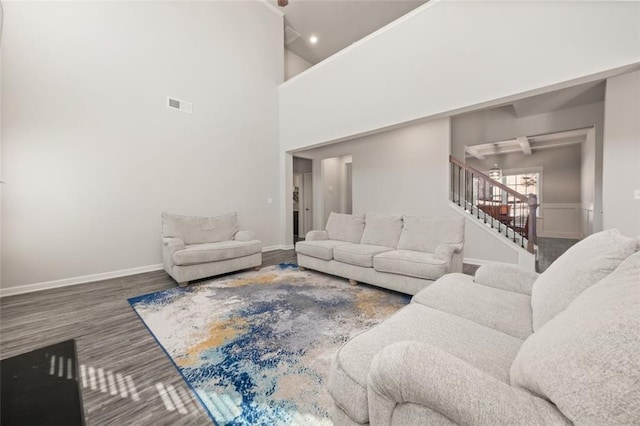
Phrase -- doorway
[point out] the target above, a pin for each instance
(302, 198)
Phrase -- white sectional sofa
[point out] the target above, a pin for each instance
(508, 347)
(401, 253)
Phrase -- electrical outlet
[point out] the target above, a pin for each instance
(636, 194)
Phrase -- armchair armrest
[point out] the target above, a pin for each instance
(244, 236)
(418, 373)
(172, 243)
(506, 276)
(169, 246)
(317, 236)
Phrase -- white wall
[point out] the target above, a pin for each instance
(621, 167)
(331, 186)
(91, 154)
(294, 64)
(450, 55)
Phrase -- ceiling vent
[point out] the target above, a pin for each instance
(290, 35)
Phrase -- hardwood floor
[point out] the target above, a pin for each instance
(134, 383)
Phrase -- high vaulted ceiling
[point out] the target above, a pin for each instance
(337, 23)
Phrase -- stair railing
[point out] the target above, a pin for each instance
(497, 205)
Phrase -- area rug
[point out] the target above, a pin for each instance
(256, 347)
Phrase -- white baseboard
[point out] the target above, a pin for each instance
(477, 262)
(84, 279)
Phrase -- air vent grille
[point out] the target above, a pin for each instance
(177, 104)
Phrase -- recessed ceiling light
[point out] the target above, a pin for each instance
(313, 39)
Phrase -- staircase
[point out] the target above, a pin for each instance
(505, 212)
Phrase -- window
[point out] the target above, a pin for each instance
(524, 183)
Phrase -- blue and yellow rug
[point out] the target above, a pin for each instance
(256, 347)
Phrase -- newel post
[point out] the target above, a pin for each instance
(532, 201)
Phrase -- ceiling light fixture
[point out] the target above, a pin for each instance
(313, 39)
(495, 172)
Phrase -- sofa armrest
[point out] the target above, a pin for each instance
(446, 251)
(506, 276)
(316, 236)
(418, 373)
(170, 245)
(244, 236)
(451, 253)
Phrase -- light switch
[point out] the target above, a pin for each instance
(269, 200)
(636, 194)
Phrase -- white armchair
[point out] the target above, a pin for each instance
(199, 247)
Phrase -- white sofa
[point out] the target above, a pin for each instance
(401, 253)
(508, 347)
(199, 247)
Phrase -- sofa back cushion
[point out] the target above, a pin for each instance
(426, 233)
(197, 230)
(583, 265)
(382, 230)
(585, 360)
(345, 227)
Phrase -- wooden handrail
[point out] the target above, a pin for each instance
(494, 182)
(470, 200)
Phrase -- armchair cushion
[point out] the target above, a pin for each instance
(196, 230)
(382, 230)
(586, 360)
(455, 391)
(583, 265)
(345, 227)
(425, 234)
(411, 263)
(213, 252)
(506, 276)
(501, 310)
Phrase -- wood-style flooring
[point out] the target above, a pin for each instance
(128, 379)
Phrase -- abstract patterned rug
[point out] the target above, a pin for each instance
(256, 347)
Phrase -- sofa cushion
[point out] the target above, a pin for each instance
(586, 360)
(322, 249)
(196, 230)
(345, 227)
(502, 310)
(426, 233)
(358, 254)
(213, 252)
(489, 350)
(583, 265)
(382, 230)
(411, 263)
